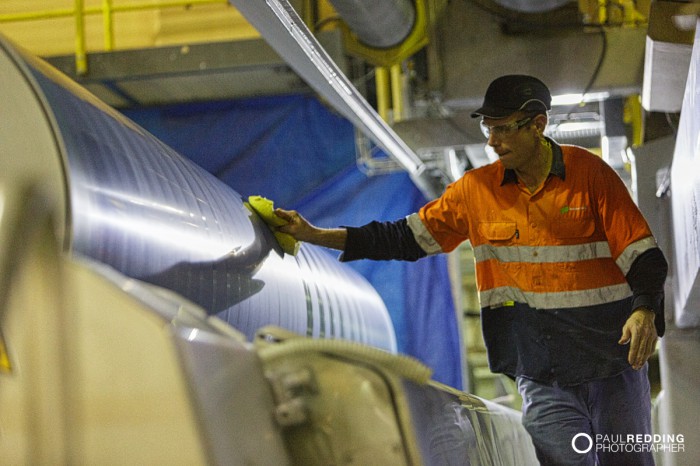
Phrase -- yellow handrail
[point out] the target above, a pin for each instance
(381, 79)
(80, 47)
(168, 4)
(65, 12)
(107, 10)
(397, 91)
(107, 23)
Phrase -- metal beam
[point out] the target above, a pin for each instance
(191, 73)
(281, 26)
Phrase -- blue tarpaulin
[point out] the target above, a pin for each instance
(298, 152)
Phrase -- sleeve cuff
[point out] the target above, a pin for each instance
(647, 301)
(352, 250)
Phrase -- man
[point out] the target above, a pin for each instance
(570, 278)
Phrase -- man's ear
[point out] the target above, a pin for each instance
(540, 123)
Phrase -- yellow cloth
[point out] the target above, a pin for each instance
(266, 210)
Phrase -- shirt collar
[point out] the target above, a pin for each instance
(557, 168)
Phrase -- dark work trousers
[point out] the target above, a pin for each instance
(601, 422)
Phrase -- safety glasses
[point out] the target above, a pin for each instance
(503, 131)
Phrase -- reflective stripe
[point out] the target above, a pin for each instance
(555, 300)
(634, 250)
(542, 254)
(423, 237)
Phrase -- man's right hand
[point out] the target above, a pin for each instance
(297, 226)
(302, 230)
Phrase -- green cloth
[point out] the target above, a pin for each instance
(266, 210)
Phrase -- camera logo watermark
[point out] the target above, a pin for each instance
(630, 443)
(585, 449)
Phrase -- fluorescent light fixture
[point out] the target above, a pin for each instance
(685, 22)
(572, 99)
(571, 126)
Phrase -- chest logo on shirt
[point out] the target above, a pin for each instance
(567, 208)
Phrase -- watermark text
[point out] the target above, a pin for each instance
(628, 443)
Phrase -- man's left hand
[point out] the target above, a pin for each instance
(640, 332)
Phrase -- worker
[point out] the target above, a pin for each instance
(569, 275)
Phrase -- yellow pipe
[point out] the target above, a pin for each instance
(602, 11)
(80, 54)
(634, 115)
(397, 91)
(108, 24)
(381, 77)
(34, 15)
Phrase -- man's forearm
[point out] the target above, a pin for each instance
(646, 279)
(376, 240)
(334, 238)
(302, 230)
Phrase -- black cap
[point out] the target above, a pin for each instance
(508, 94)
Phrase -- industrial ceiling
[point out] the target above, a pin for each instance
(464, 44)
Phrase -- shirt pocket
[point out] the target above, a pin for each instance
(495, 232)
(573, 226)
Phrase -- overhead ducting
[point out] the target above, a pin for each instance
(532, 6)
(378, 23)
(387, 23)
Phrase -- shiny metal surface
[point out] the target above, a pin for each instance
(97, 368)
(453, 427)
(139, 207)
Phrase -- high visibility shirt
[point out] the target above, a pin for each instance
(550, 265)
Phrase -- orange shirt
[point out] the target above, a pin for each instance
(568, 244)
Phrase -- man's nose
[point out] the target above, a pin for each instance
(493, 141)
